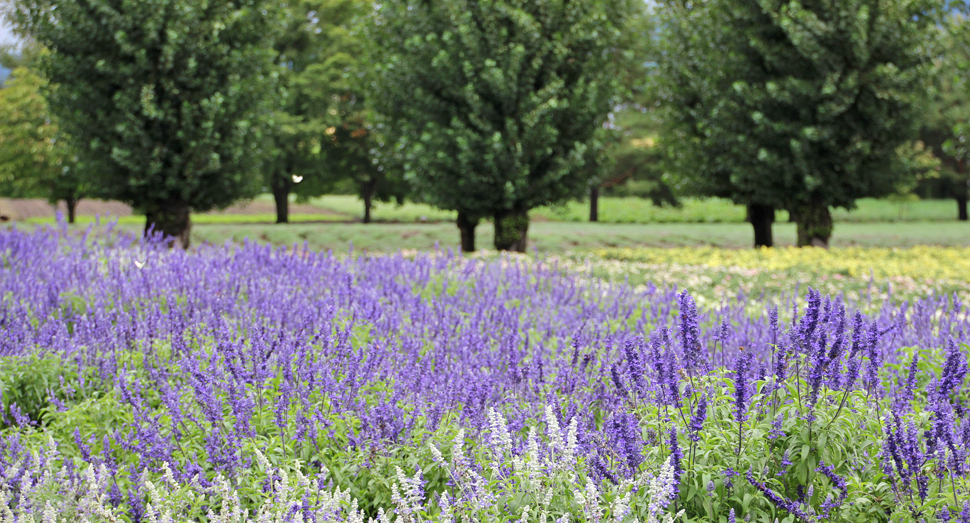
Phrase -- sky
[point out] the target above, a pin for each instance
(6, 36)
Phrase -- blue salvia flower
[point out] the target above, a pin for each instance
(634, 362)
(785, 463)
(874, 359)
(728, 474)
(694, 358)
(858, 344)
(697, 420)
(665, 365)
(779, 501)
(893, 453)
(676, 457)
(943, 427)
(741, 393)
(773, 323)
(858, 333)
(724, 332)
(624, 432)
(833, 362)
(965, 513)
(954, 369)
(817, 372)
(809, 321)
(617, 381)
(829, 472)
(731, 517)
(909, 389)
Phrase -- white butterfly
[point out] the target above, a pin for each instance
(139, 264)
(297, 179)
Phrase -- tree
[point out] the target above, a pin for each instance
(495, 104)
(944, 129)
(304, 54)
(632, 164)
(36, 159)
(164, 98)
(793, 104)
(355, 148)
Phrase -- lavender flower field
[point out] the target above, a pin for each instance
(247, 383)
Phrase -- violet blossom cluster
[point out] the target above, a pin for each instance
(226, 337)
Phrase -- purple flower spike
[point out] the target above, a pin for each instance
(676, 457)
(697, 420)
(779, 501)
(954, 369)
(741, 389)
(694, 357)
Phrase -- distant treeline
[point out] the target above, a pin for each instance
(488, 108)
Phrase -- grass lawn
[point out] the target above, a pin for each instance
(714, 210)
(560, 237)
(346, 208)
(636, 210)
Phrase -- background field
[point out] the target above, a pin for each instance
(612, 210)
(331, 223)
(561, 237)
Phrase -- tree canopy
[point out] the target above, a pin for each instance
(793, 104)
(163, 97)
(496, 103)
(36, 158)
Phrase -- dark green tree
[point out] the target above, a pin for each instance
(496, 104)
(793, 104)
(945, 129)
(163, 98)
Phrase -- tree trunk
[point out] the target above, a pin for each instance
(172, 220)
(962, 207)
(511, 230)
(814, 225)
(761, 218)
(594, 203)
(466, 226)
(281, 195)
(71, 204)
(368, 188)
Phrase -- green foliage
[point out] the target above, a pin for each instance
(783, 443)
(495, 105)
(634, 165)
(796, 105)
(326, 132)
(164, 98)
(945, 124)
(309, 56)
(30, 382)
(355, 145)
(35, 157)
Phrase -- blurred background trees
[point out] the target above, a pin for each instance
(325, 134)
(632, 165)
(487, 107)
(36, 157)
